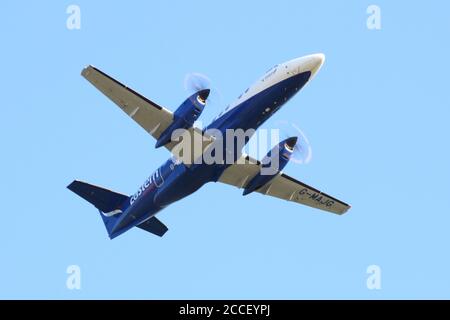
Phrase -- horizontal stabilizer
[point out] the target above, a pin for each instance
(103, 199)
(154, 226)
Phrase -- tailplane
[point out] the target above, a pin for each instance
(110, 204)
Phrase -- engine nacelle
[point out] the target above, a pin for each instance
(185, 116)
(272, 164)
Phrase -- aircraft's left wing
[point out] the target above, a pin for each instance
(152, 117)
(282, 186)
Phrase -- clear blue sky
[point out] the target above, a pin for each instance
(376, 116)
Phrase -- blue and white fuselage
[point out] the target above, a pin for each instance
(174, 180)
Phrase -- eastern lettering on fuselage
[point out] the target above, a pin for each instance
(316, 197)
(141, 190)
(153, 179)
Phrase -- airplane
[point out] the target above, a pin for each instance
(180, 176)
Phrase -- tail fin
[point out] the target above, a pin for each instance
(110, 204)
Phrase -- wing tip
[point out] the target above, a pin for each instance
(86, 70)
(345, 210)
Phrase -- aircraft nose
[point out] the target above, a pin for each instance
(312, 63)
(317, 61)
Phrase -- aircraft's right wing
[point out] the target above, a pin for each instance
(152, 117)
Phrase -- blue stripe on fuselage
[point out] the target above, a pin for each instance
(249, 115)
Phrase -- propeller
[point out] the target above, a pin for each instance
(196, 81)
(302, 148)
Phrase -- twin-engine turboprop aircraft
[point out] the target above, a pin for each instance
(183, 174)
